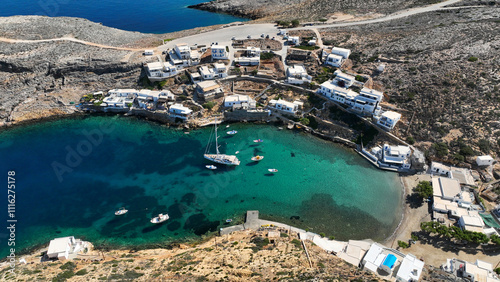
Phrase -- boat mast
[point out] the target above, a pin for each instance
(216, 138)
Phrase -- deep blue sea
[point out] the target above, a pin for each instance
(158, 16)
(71, 175)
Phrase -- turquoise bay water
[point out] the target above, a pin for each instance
(149, 168)
(159, 16)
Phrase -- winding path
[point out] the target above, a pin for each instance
(9, 40)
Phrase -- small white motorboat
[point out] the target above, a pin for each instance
(272, 170)
(160, 218)
(227, 126)
(257, 158)
(228, 220)
(237, 152)
(121, 211)
(211, 167)
(258, 141)
(232, 132)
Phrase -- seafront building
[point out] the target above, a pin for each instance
(65, 248)
(285, 106)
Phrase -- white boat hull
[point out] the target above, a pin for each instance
(222, 159)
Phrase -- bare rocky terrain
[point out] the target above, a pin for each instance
(443, 75)
(305, 9)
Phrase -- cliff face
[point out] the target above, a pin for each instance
(40, 78)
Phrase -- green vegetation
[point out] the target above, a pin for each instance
(322, 234)
(63, 276)
(322, 20)
(325, 75)
(484, 145)
(472, 59)
(283, 235)
(260, 243)
(307, 47)
(68, 266)
(304, 121)
(283, 23)
(360, 78)
(403, 244)
(410, 140)
(295, 23)
(209, 105)
(266, 56)
(331, 237)
(313, 123)
(495, 239)
(455, 232)
(81, 272)
(297, 243)
(497, 270)
(424, 189)
(441, 149)
(129, 105)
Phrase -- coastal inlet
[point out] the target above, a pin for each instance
(150, 169)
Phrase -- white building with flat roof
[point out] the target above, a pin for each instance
(244, 101)
(295, 40)
(485, 160)
(446, 188)
(122, 92)
(64, 248)
(345, 53)
(208, 90)
(368, 100)
(397, 155)
(179, 111)
(285, 106)
(343, 79)
(160, 70)
(297, 74)
(410, 269)
(388, 119)
(334, 60)
(219, 52)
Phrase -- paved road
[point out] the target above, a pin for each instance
(397, 15)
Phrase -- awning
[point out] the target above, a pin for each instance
(489, 220)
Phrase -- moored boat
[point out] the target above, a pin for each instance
(232, 132)
(272, 170)
(218, 157)
(160, 218)
(121, 211)
(211, 167)
(258, 141)
(257, 158)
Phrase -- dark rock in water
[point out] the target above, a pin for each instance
(58, 231)
(174, 226)
(175, 234)
(242, 201)
(200, 225)
(176, 211)
(253, 198)
(227, 201)
(188, 198)
(292, 154)
(294, 217)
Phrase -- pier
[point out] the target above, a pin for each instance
(253, 222)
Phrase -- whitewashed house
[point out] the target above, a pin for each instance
(220, 70)
(397, 155)
(253, 51)
(312, 42)
(239, 101)
(297, 74)
(334, 60)
(295, 40)
(336, 93)
(410, 269)
(388, 119)
(183, 56)
(368, 101)
(345, 53)
(343, 79)
(206, 72)
(64, 248)
(219, 52)
(446, 188)
(472, 222)
(179, 111)
(440, 169)
(485, 160)
(160, 70)
(123, 92)
(285, 106)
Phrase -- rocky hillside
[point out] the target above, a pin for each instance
(244, 256)
(40, 79)
(445, 78)
(304, 9)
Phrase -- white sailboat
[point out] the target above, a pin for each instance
(218, 157)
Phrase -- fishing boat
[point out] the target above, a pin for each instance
(160, 218)
(121, 211)
(218, 157)
(272, 170)
(232, 132)
(228, 220)
(258, 141)
(257, 158)
(211, 167)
